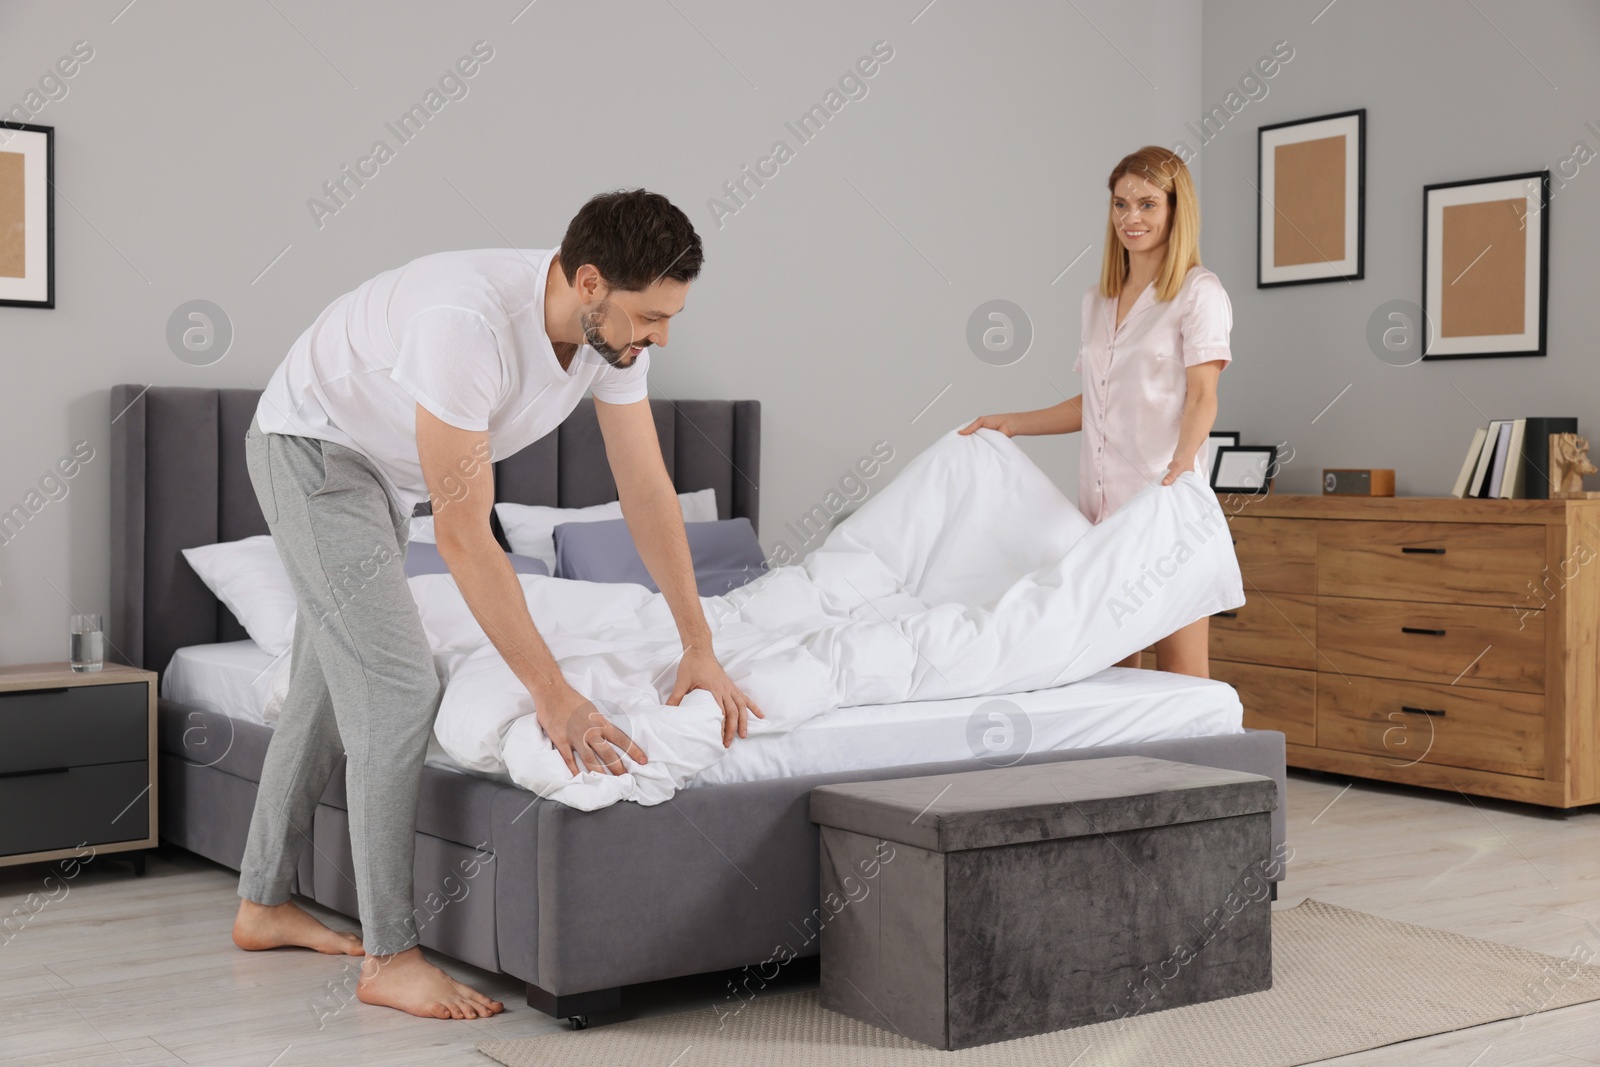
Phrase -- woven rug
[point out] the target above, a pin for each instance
(1343, 981)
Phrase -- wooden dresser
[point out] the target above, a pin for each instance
(1453, 644)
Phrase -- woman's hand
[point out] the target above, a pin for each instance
(1003, 423)
(1175, 467)
(1065, 417)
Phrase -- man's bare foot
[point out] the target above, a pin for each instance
(260, 926)
(409, 982)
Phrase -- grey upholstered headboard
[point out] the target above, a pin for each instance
(178, 480)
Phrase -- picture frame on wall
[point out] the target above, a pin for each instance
(27, 215)
(1246, 469)
(1311, 200)
(1485, 266)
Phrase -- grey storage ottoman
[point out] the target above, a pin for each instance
(961, 909)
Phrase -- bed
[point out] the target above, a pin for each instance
(578, 905)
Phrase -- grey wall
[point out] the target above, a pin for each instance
(838, 295)
(1453, 91)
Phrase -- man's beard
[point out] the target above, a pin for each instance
(592, 321)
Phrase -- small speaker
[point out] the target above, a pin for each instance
(1366, 482)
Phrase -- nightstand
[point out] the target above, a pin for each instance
(77, 762)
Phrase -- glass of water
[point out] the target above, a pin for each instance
(88, 643)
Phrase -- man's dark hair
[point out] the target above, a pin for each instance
(633, 238)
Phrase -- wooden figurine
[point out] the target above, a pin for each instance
(1569, 462)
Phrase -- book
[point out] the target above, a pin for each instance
(1468, 465)
(1536, 453)
(1497, 467)
(1480, 473)
(1513, 481)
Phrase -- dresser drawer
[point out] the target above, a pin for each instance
(1276, 555)
(1493, 647)
(95, 805)
(1275, 629)
(75, 726)
(1453, 726)
(1274, 698)
(1449, 562)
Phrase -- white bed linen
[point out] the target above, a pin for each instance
(968, 575)
(231, 677)
(1116, 706)
(242, 681)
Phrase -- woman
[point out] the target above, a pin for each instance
(1155, 340)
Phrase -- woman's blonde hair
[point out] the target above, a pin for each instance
(1163, 169)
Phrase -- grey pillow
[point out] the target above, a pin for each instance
(422, 557)
(726, 554)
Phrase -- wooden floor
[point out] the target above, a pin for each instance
(135, 971)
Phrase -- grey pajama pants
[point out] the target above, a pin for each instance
(361, 681)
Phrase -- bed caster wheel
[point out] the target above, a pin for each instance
(579, 1022)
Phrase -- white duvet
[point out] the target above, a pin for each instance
(968, 575)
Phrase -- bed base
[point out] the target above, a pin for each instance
(579, 905)
(575, 1007)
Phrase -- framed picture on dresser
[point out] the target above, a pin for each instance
(1311, 197)
(27, 216)
(1215, 440)
(1245, 469)
(1485, 266)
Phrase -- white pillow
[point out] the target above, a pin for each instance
(421, 528)
(248, 576)
(699, 506)
(530, 527)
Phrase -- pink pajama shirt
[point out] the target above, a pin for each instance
(1134, 384)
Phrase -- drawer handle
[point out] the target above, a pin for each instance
(1226, 615)
(1421, 630)
(35, 692)
(42, 770)
(1424, 551)
(1435, 712)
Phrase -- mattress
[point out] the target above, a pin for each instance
(1117, 706)
(1120, 705)
(235, 679)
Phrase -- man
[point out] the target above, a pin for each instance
(406, 389)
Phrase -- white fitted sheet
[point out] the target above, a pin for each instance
(235, 678)
(1117, 706)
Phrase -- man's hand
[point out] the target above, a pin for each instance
(581, 734)
(655, 520)
(699, 669)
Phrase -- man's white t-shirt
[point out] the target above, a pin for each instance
(459, 333)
